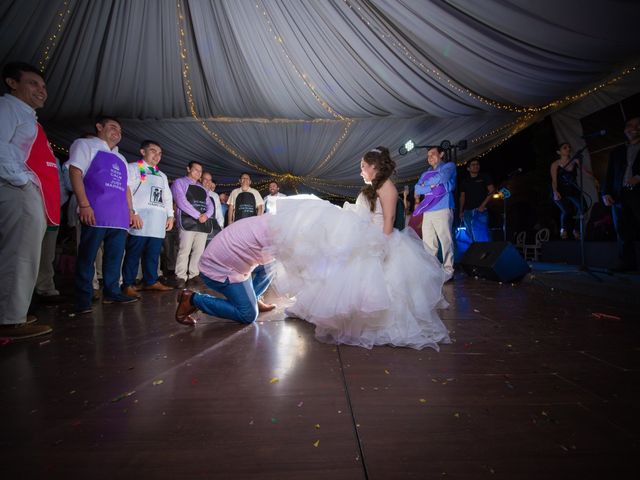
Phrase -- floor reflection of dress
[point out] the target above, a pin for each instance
(357, 285)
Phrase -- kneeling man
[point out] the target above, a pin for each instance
(233, 265)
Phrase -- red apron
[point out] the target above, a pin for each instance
(42, 163)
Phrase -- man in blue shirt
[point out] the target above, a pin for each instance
(437, 219)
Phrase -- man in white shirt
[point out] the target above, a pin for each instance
(244, 201)
(270, 201)
(98, 174)
(153, 203)
(27, 166)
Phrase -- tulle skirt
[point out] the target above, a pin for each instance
(355, 284)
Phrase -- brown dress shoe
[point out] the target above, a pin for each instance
(265, 307)
(130, 292)
(157, 287)
(22, 330)
(185, 308)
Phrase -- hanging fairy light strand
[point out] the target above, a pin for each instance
(303, 76)
(59, 148)
(305, 80)
(334, 148)
(388, 38)
(53, 38)
(186, 79)
(280, 177)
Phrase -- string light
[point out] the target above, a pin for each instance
(387, 38)
(493, 132)
(553, 105)
(334, 148)
(272, 120)
(59, 148)
(52, 40)
(514, 127)
(303, 76)
(186, 79)
(329, 194)
(280, 177)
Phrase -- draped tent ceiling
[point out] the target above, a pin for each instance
(298, 90)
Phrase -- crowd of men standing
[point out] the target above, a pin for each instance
(127, 209)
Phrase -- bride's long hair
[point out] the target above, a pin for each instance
(385, 167)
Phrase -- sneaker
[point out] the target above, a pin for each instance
(22, 330)
(119, 298)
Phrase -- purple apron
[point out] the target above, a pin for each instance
(430, 199)
(105, 183)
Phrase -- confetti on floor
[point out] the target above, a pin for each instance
(158, 382)
(605, 316)
(122, 396)
(274, 380)
(316, 443)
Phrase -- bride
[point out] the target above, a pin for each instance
(352, 275)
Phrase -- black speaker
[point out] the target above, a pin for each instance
(498, 261)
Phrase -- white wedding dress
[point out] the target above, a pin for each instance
(356, 284)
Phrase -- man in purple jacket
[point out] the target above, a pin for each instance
(194, 211)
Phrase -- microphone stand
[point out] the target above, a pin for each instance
(577, 157)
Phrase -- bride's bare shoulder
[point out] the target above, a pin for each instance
(388, 188)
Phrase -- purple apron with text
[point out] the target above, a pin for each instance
(105, 183)
(433, 197)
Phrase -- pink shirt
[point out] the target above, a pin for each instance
(237, 250)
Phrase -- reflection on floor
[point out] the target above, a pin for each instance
(540, 383)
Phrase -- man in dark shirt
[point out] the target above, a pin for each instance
(244, 201)
(475, 193)
(621, 191)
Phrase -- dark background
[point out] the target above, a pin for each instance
(534, 149)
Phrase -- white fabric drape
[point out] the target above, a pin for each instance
(275, 80)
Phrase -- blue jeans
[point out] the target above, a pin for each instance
(90, 240)
(565, 204)
(241, 298)
(477, 225)
(147, 248)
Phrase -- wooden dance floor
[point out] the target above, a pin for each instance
(538, 383)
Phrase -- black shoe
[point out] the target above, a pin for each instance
(181, 283)
(52, 299)
(119, 298)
